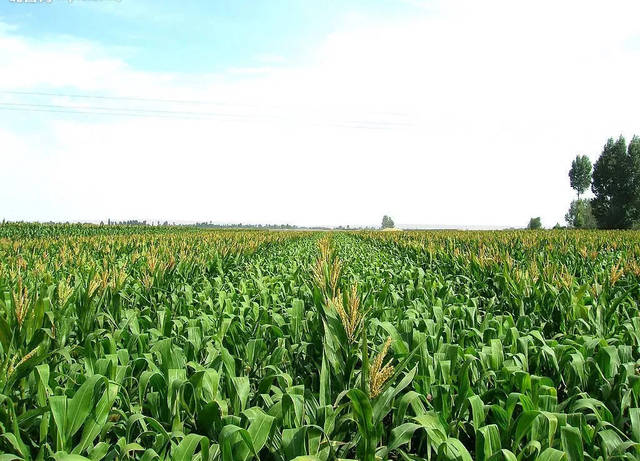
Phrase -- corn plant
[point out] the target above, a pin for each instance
(126, 342)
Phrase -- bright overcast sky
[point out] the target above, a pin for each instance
(331, 112)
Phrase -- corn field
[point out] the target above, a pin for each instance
(121, 342)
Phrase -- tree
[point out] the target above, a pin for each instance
(387, 222)
(633, 207)
(580, 215)
(535, 223)
(616, 185)
(580, 174)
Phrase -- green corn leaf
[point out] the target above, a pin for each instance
(232, 435)
(79, 407)
(477, 411)
(551, 454)
(402, 434)
(487, 442)
(259, 427)
(364, 417)
(186, 448)
(634, 415)
(572, 443)
(453, 449)
(325, 382)
(62, 456)
(294, 442)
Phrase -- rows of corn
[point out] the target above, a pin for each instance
(169, 343)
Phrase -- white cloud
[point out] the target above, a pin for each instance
(470, 114)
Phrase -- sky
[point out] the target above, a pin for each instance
(435, 112)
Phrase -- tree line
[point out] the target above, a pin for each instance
(615, 182)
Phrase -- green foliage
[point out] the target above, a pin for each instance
(387, 222)
(580, 174)
(222, 345)
(580, 215)
(534, 223)
(616, 185)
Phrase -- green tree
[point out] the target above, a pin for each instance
(616, 185)
(633, 207)
(580, 174)
(580, 215)
(387, 222)
(535, 223)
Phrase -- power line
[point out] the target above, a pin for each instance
(140, 111)
(158, 100)
(118, 114)
(61, 109)
(118, 98)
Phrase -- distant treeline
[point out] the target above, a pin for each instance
(275, 226)
(211, 225)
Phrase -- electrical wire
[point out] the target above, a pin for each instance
(141, 112)
(347, 124)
